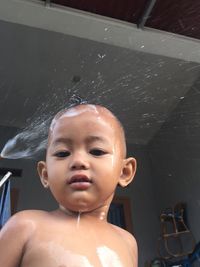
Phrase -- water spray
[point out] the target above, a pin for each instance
(32, 140)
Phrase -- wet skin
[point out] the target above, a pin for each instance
(84, 163)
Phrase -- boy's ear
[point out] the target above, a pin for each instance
(42, 171)
(128, 172)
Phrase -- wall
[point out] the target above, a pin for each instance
(175, 158)
(144, 213)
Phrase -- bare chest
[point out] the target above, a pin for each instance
(75, 249)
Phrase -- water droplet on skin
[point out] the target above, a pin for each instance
(78, 219)
(102, 215)
(60, 256)
(108, 257)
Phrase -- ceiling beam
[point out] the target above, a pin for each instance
(94, 27)
(146, 14)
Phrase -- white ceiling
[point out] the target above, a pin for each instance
(140, 75)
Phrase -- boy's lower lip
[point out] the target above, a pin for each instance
(80, 185)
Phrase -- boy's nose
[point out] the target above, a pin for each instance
(79, 162)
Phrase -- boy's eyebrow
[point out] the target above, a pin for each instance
(89, 139)
(94, 138)
(62, 140)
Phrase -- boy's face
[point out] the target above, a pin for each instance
(84, 160)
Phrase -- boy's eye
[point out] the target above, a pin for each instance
(62, 154)
(97, 152)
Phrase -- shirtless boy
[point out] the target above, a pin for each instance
(85, 161)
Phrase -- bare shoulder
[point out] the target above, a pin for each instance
(24, 216)
(14, 236)
(22, 222)
(126, 236)
(130, 240)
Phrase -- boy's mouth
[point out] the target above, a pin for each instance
(80, 182)
(79, 178)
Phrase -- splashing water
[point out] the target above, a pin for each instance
(27, 143)
(32, 140)
(76, 100)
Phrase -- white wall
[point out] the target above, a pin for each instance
(175, 157)
(144, 213)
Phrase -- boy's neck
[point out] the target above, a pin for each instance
(99, 213)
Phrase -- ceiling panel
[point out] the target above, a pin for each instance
(41, 70)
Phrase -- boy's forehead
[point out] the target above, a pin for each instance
(99, 112)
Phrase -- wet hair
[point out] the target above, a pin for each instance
(82, 103)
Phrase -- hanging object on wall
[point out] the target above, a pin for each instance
(176, 239)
